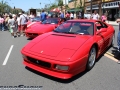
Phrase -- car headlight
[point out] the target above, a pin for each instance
(24, 57)
(60, 67)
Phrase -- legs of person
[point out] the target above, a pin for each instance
(25, 27)
(11, 31)
(19, 30)
(22, 30)
(15, 31)
(2, 26)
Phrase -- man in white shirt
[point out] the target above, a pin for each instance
(71, 15)
(95, 16)
(31, 17)
(23, 22)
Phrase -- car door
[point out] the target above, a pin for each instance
(102, 38)
(107, 34)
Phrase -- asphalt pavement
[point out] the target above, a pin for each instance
(105, 75)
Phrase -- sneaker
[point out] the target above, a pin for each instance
(13, 36)
(118, 62)
(118, 49)
(21, 35)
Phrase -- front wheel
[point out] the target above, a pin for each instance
(91, 58)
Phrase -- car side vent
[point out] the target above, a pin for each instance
(63, 35)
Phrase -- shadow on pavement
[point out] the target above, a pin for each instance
(29, 38)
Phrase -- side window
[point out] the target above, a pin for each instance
(98, 25)
(104, 25)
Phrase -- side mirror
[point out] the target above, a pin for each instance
(101, 30)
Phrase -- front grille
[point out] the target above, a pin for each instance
(33, 34)
(39, 62)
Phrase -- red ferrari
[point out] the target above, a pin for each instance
(71, 48)
(36, 28)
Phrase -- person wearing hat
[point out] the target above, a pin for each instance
(43, 16)
(11, 23)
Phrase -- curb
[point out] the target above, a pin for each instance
(114, 25)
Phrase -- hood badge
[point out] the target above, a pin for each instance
(37, 62)
(41, 52)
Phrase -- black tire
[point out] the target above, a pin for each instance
(91, 58)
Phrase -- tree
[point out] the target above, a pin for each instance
(53, 6)
(80, 5)
(4, 7)
(60, 3)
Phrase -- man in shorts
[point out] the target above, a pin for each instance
(23, 22)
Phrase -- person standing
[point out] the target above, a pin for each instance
(6, 22)
(61, 15)
(18, 22)
(1, 23)
(23, 23)
(118, 37)
(95, 15)
(104, 18)
(11, 23)
(67, 16)
(79, 15)
(31, 16)
(71, 16)
(43, 16)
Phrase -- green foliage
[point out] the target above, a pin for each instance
(67, 7)
(53, 6)
(4, 7)
(60, 2)
(80, 5)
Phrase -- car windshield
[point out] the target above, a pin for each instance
(76, 27)
(50, 21)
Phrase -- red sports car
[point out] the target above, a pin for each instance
(70, 49)
(36, 28)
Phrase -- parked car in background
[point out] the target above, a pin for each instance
(34, 29)
(71, 48)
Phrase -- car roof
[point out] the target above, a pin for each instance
(84, 20)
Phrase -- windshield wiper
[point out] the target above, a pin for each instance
(56, 31)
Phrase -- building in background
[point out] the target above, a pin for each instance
(110, 7)
(75, 5)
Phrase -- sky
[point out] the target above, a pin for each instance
(27, 4)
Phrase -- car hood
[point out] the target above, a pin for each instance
(55, 44)
(40, 28)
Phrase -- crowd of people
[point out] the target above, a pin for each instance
(96, 16)
(15, 24)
